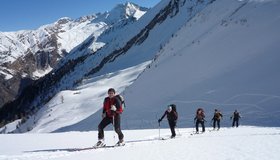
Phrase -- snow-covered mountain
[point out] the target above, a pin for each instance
(67, 32)
(30, 54)
(210, 54)
(225, 57)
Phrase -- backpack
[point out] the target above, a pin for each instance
(217, 115)
(173, 106)
(236, 115)
(121, 99)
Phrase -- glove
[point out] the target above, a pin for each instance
(159, 120)
(113, 108)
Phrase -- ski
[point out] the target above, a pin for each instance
(196, 133)
(166, 138)
(211, 130)
(92, 148)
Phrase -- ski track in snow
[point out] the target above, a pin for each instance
(254, 143)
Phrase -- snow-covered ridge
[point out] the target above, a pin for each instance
(69, 33)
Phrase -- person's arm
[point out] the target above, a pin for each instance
(203, 115)
(162, 116)
(104, 111)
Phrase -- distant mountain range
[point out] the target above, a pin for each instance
(30, 54)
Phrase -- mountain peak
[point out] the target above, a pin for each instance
(124, 11)
(63, 20)
(86, 18)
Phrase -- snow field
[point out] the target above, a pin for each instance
(245, 142)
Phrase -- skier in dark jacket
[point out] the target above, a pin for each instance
(112, 110)
(172, 117)
(199, 118)
(217, 118)
(236, 116)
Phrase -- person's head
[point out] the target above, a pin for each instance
(199, 111)
(169, 108)
(235, 110)
(111, 92)
(216, 110)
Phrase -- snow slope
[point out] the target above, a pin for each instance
(226, 57)
(223, 55)
(72, 106)
(254, 143)
(215, 60)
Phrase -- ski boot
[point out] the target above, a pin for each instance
(99, 144)
(120, 143)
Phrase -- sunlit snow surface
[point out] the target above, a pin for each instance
(243, 143)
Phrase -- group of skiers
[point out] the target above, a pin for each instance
(199, 118)
(113, 107)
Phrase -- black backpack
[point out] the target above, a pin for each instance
(121, 99)
(173, 106)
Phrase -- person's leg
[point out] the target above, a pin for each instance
(203, 126)
(172, 128)
(196, 125)
(117, 126)
(233, 122)
(218, 123)
(214, 123)
(105, 121)
(237, 122)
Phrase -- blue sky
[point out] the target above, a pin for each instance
(31, 14)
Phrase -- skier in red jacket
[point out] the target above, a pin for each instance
(112, 109)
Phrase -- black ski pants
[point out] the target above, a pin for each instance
(216, 121)
(106, 121)
(235, 122)
(172, 125)
(202, 124)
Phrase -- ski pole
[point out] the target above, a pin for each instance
(178, 131)
(114, 129)
(193, 125)
(158, 130)
(211, 123)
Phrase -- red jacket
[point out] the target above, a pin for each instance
(108, 102)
